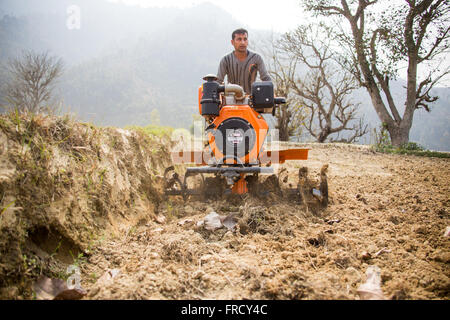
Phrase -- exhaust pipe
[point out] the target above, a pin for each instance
(236, 89)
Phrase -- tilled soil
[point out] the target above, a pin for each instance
(385, 210)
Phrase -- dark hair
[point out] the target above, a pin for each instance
(238, 31)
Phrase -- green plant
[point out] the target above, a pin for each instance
(93, 277)
(29, 264)
(89, 183)
(79, 259)
(132, 231)
(153, 130)
(113, 142)
(7, 206)
(170, 210)
(3, 123)
(411, 148)
(101, 175)
(382, 137)
(17, 118)
(67, 137)
(60, 274)
(56, 249)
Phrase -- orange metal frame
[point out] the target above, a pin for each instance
(266, 157)
(259, 125)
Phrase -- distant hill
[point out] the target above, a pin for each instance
(127, 63)
(161, 71)
(104, 26)
(124, 62)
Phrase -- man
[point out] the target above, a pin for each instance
(241, 65)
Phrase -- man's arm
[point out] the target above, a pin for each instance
(221, 73)
(263, 74)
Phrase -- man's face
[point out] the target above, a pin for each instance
(240, 42)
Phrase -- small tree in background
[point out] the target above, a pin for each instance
(290, 117)
(324, 88)
(31, 83)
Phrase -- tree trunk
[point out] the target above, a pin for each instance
(284, 135)
(283, 123)
(399, 135)
(398, 130)
(323, 135)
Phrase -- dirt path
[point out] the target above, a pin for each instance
(396, 206)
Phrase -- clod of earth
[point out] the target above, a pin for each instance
(108, 276)
(230, 222)
(185, 222)
(366, 255)
(160, 219)
(56, 289)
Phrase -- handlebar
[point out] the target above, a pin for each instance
(279, 100)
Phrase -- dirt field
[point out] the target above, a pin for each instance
(74, 194)
(385, 210)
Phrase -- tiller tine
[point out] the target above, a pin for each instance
(174, 186)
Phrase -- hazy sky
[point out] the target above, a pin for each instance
(280, 16)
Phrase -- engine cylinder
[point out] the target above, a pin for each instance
(235, 137)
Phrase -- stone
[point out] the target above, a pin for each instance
(230, 222)
(212, 221)
(447, 232)
(108, 276)
(365, 255)
(185, 222)
(189, 210)
(160, 219)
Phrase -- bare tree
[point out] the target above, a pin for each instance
(413, 32)
(325, 88)
(32, 77)
(291, 115)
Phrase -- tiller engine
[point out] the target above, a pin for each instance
(234, 154)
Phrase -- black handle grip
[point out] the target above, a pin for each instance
(279, 100)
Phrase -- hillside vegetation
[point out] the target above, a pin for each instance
(64, 185)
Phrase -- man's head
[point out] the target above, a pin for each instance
(239, 40)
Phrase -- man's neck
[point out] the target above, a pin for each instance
(241, 55)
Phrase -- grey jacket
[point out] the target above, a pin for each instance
(242, 73)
